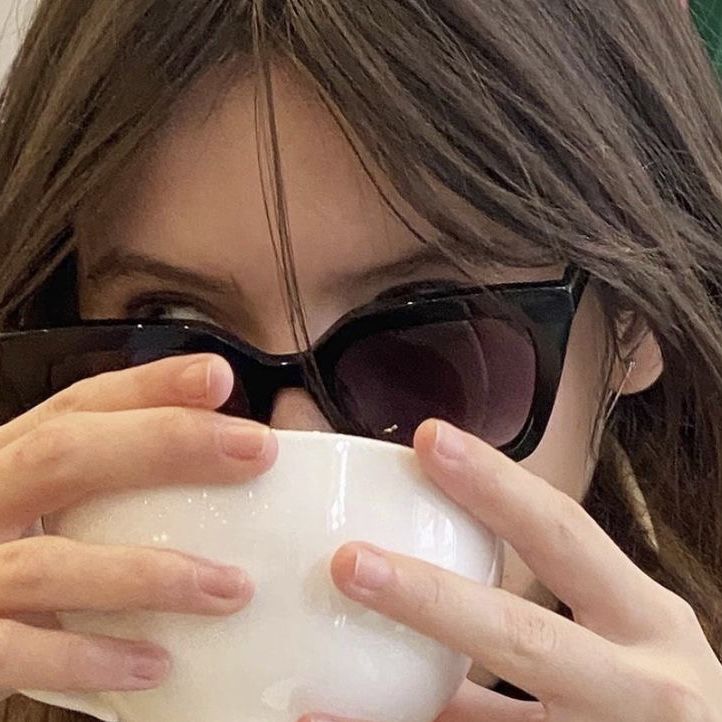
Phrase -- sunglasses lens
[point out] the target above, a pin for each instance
(477, 374)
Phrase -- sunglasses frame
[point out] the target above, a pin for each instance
(547, 309)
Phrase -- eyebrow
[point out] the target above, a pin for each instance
(120, 263)
(395, 270)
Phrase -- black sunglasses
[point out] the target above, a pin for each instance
(487, 359)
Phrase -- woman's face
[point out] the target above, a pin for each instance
(188, 224)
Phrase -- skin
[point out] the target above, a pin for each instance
(194, 201)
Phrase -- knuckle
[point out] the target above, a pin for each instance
(184, 432)
(64, 402)
(530, 635)
(676, 700)
(156, 574)
(78, 659)
(566, 527)
(52, 447)
(177, 421)
(430, 595)
(21, 569)
(679, 617)
(29, 564)
(141, 569)
(683, 614)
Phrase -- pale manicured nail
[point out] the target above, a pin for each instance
(244, 441)
(195, 381)
(222, 582)
(146, 667)
(371, 570)
(448, 442)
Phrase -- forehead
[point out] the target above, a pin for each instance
(200, 192)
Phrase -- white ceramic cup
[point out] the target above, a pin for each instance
(300, 645)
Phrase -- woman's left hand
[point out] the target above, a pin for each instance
(635, 651)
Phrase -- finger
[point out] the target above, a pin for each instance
(53, 660)
(528, 645)
(557, 539)
(478, 704)
(45, 574)
(66, 459)
(200, 380)
(471, 704)
(48, 620)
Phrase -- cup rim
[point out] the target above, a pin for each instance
(312, 435)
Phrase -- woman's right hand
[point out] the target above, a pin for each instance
(145, 426)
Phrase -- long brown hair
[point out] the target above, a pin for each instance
(593, 130)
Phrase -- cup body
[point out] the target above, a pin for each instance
(300, 645)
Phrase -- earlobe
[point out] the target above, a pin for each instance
(642, 367)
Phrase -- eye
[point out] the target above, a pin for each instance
(418, 289)
(158, 307)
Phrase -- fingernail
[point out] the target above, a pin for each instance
(448, 442)
(146, 667)
(244, 441)
(371, 570)
(195, 381)
(222, 582)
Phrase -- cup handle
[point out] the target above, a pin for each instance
(87, 703)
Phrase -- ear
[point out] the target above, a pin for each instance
(642, 364)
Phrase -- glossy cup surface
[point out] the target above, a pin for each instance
(300, 645)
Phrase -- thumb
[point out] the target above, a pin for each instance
(483, 705)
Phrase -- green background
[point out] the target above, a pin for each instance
(708, 14)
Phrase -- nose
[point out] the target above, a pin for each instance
(295, 409)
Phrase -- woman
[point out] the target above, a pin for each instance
(268, 167)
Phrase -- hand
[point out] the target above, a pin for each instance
(143, 426)
(634, 652)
